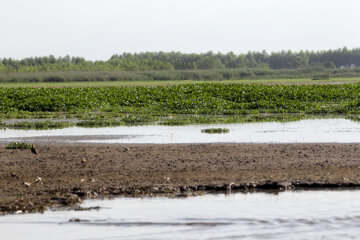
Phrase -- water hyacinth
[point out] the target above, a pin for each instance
(186, 99)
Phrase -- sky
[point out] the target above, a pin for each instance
(97, 29)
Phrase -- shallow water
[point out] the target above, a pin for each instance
(287, 215)
(304, 131)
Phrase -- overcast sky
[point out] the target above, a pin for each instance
(96, 29)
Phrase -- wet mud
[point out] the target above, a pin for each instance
(62, 175)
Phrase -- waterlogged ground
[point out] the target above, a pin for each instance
(286, 215)
(304, 131)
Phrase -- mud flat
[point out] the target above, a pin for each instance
(57, 175)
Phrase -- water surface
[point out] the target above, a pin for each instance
(304, 131)
(287, 215)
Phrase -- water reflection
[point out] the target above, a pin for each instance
(304, 131)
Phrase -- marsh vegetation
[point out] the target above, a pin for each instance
(185, 99)
(177, 89)
(175, 66)
(18, 145)
(174, 105)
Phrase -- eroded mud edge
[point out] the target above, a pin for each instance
(171, 170)
(72, 199)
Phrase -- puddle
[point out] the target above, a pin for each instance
(304, 131)
(286, 215)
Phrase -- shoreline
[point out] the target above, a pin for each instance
(57, 176)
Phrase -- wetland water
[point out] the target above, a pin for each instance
(304, 131)
(286, 215)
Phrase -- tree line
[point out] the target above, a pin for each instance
(329, 59)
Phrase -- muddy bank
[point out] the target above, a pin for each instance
(57, 175)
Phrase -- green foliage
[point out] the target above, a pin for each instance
(225, 119)
(18, 145)
(329, 64)
(215, 130)
(178, 120)
(138, 119)
(40, 125)
(185, 99)
(100, 123)
(174, 75)
(183, 61)
(321, 77)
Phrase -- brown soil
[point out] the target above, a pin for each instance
(171, 169)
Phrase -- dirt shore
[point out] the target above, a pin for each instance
(57, 176)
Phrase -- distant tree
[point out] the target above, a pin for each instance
(208, 62)
(329, 64)
(188, 61)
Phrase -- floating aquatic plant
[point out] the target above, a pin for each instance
(215, 130)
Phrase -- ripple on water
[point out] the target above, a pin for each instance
(287, 215)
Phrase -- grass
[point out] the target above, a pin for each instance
(178, 120)
(58, 77)
(215, 130)
(139, 119)
(151, 83)
(171, 120)
(100, 123)
(40, 125)
(18, 145)
(321, 77)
